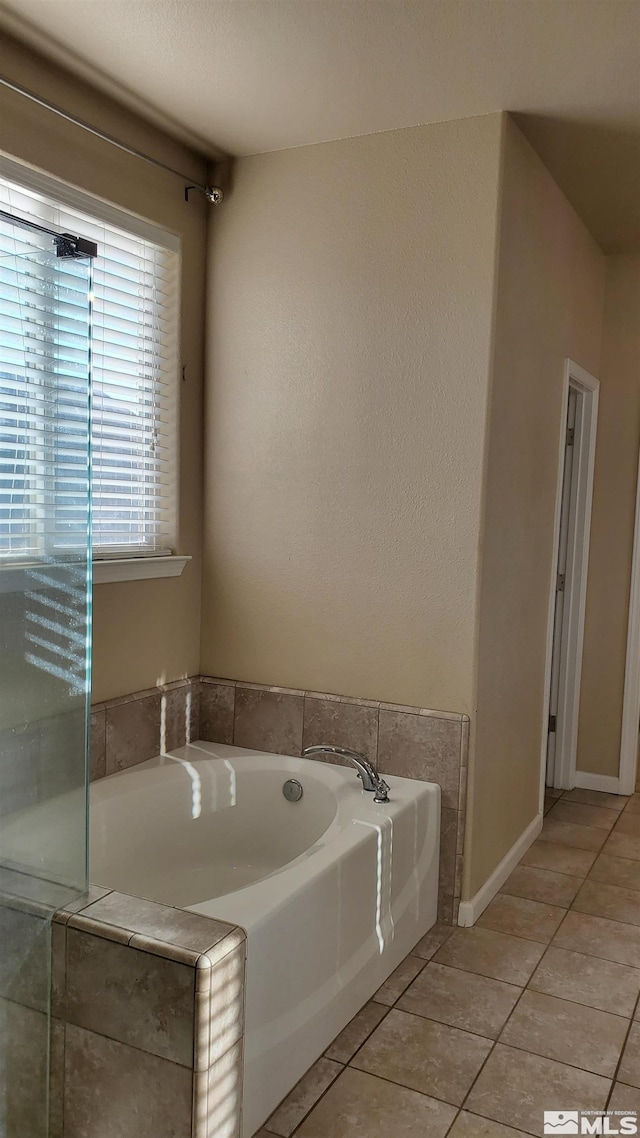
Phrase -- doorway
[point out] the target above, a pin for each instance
(569, 578)
(629, 759)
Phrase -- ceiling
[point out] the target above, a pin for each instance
(247, 76)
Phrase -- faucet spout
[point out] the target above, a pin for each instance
(371, 780)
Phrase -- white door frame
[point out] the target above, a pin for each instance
(631, 698)
(566, 776)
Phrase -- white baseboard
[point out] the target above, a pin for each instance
(470, 910)
(607, 783)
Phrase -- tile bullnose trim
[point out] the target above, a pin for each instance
(245, 685)
(455, 716)
(333, 697)
(165, 950)
(353, 700)
(100, 929)
(216, 942)
(164, 924)
(131, 697)
(217, 952)
(144, 693)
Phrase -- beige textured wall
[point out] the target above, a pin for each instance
(144, 630)
(349, 319)
(548, 306)
(614, 494)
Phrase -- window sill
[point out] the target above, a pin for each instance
(137, 568)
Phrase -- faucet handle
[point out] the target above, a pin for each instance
(382, 791)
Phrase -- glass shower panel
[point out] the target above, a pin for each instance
(44, 640)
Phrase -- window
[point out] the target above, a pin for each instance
(134, 355)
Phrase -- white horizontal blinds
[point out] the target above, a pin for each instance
(44, 399)
(134, 363)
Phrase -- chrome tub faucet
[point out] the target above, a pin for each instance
(371, 780)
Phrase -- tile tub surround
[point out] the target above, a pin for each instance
(136, 727)
(411, 742)
(148, 1021)
(407, 741)
(480, 1030)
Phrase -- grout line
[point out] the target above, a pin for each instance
(559, 842)
(482, 1067)
(546, 944)
(574, 876)
(387, 1009)
(479, 976)
(613, 884)
(557, 948)
(587, 825)
(565, 1000)
(394, 1083)
(496, 1040)
(454, 1120)
(62, 1073)
(538, 869)
(319, 1099)
(521, 897)
(542, 869)
(589, 956)
(407, 985)
(592, 955)
(459, 968)
(195, 1033)
(606, 885)
(550, 1058)
(622, 1051)
(591, 806)
(135, 1047)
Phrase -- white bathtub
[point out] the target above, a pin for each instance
(333, 891)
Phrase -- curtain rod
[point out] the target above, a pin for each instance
(213, 194)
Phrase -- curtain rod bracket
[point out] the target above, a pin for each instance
(213, 194)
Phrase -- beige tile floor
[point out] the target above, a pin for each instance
(479, 1030)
